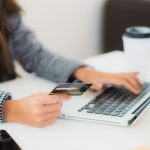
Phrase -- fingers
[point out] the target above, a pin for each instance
(129, 82)
(44, 123)
(50, 116)
(59, 97)
(139, 81)
(51, 108)
(133, 75)
(97, 86)
(125, 83)
(46, 119)
(133, 80)
(129, 86)
(51, 99)
(47, 122)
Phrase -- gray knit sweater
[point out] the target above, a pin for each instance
(35, 58)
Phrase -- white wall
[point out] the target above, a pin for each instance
(70, 27)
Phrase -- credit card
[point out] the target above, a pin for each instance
(73, 89)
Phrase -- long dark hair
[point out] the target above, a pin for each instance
(7, 8)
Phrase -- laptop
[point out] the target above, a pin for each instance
(113, 106)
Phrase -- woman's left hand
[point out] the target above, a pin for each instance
(128, 80)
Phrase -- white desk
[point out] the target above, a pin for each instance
(76, 135)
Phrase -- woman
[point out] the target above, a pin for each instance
(18, 42)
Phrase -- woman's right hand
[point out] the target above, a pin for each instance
(36, 110)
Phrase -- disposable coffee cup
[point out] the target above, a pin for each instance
(136, 43)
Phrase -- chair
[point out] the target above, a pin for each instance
(120, 14)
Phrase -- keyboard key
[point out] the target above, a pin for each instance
(109, 103)
(111, 109)
(91, 102)
(120, 109)
(92, 110)
(106, 112)
(124, 112)
(99, 103)
(118, 103)
(86, 106)
(115, 105)
(123, 106)
(115, 113)
(127, 109)
(104, 106)
(129, 106)
(121, 115)
(99, 111)
(80, 110)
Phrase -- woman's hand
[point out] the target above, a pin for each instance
(36, 110)
(99, 79)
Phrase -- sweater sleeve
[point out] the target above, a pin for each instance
(35, 58)
(3, 97)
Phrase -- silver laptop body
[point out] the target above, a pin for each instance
(79, 107)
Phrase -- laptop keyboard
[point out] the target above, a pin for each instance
(114, 101)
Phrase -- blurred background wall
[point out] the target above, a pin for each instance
(70, 27)
(83, 28)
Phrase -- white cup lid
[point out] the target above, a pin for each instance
(138, 32)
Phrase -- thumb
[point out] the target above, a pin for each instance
(97, 86)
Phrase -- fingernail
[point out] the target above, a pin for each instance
(138, 91)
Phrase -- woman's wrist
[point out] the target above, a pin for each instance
(81, 72)
(10, 110)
